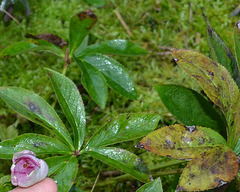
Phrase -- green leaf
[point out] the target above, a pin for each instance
(71, 104)
(237, 41)
(36, 109)
(40, 144)
(83, 45)
(116, 75)
(80, 26)
(94, 83)
(221, 53)
(63, 170)
(154, 186)
(181, 142)
(26, 47)
(189, 106)
(217, 84)
(123, 160)
(114, 47)
(123, 128)
(5, 183)
(209, 170)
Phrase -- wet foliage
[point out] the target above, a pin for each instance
(95, 147)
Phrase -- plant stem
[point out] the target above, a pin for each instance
(67, 61)
(167, 164)
(127, 177)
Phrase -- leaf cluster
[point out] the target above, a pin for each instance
(213, 160)
(98, 70)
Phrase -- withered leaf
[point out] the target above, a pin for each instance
(209, 170)
(181, 142)
(217, 83)
(220, 52)
(51, 38)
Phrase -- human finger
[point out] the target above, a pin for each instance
(47, 185)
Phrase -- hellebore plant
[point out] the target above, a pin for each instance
(98, 70)
(63, 164)
(214, 161)
(27, 169)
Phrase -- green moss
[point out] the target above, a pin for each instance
(153, 24)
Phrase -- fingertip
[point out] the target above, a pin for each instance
(46, 185)
(50, 185)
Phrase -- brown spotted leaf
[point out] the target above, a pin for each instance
(209, 170)
(220, 52)
(36, 109)
(51, 38)
(181, 142)
(217, 83)
(80, 26)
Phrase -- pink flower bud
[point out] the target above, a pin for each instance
(27, 169)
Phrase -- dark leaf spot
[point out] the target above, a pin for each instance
(190, 128)
(175, 59)
(87, 13)
(140, 145)
(201, 141)
(186, 139)
(51, 38)
(50, 118)
(214, 170)
(34, 108)
(170, 144)
(39, 144)
(180, 189)
(211, 73)
(191, 175)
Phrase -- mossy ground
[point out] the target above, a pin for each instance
(153, 23)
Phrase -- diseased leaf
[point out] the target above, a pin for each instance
(51, 38)
(116, 75)
(71, 104)
(94, 82)
(154, 186)
(80, 26)
(36, 109)
(237, 42)
(220, 53)
(209, 170)
(123, 160)
(63, 170)
(217, 84)
(114, 47)
(181, 142)
(26, 47)
(189, 107)
(39, 144)
(124, 127)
